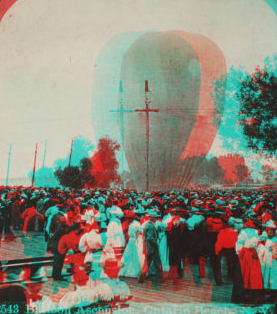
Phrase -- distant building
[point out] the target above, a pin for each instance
(204, 181)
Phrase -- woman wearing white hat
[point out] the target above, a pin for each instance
(91, 240)
(91, 215)
(270, 258)
(115, 235)
(131, 259)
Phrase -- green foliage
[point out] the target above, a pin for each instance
(243, 173)
(85, 175)
(76, 177)
(106, 149)
(257, 97)
(82, 148)
(269, 174)
(198, 166)
(218, 96)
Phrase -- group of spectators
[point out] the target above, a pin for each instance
(150, 234)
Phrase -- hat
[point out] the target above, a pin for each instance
(196, 210)
(92, 201)
(89, 213)
(101, 199)
(270, 225)
(62, 219)
(198, 203)
(233, 203)
(220, 202)
(219, 213)
(210, 205)
(139, 211)
(144, 219)
(153, 213)
(116, 211)
(266, 216)
(129, 214)
(249, 224)
(263, 236)
(76, 201)
(181, 211)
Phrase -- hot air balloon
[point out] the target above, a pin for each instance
(173, 69)
(169, 74)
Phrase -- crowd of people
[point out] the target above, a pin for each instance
(150, 234)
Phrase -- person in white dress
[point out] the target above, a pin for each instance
(38, 302)
(90, 243)
(83, 295)
(141, 241)
(163, 247)
(270, 259)
(247, 249)
(102, 221)
(91, 215)
(111, 268)
(131, 260)
(115, 235)
(261, 249)
(167, 219)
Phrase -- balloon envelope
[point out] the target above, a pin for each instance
(172, 68)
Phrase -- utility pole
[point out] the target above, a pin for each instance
(121, 111)
(8, 170)
(33, 179)
(44, 154)
(71, 150)
(147, 110)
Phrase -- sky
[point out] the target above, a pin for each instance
(49, 51)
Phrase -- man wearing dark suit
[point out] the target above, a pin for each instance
(152, 256)
(174, 242)
(60, 228)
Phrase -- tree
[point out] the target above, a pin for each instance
(77, 177)
(226, 110)
(214, 171)
(218, 96)
(88, 180)
(100, 170)
(243, 173)
(269, 174)
(82, 148)
(198, 166)
(257, 97)
(236, 171)
(106, 172)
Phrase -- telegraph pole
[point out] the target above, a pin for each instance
(121, 111)
(8, 170)
(33, 179)
(147, 110)
(44, 154)
(71, 150)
